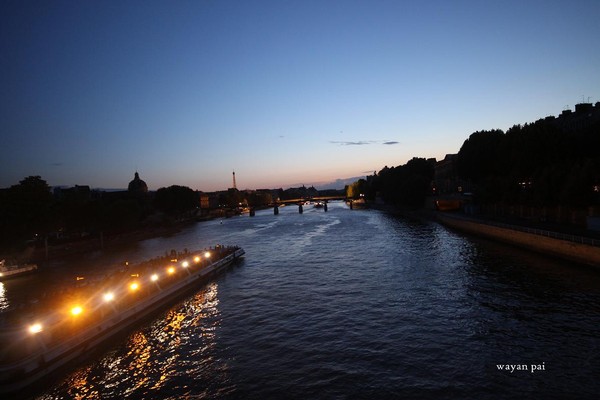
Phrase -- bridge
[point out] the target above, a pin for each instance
(305, 199)
(300, 202)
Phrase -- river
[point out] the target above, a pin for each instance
(352, 304)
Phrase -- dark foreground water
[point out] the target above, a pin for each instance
(358, 304)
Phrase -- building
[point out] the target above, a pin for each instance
(137, 187)
(584, 116)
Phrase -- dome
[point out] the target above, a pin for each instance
(137, 186)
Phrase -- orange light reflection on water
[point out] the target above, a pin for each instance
(3, 299)
(155, 354)
(80, 388)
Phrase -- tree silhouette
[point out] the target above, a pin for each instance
(176, 200)
(406, 185)
(25, 210)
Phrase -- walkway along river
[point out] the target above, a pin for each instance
(357, 304)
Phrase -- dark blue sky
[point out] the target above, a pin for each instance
(284, 92)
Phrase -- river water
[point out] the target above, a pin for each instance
(351, 304)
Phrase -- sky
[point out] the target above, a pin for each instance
(282, 92)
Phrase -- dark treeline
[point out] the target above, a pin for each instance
(25, 209)
(551, 162)
(31, 212)
(407, 184)
(538, 164)
(176, 200)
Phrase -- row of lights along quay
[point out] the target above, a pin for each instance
(94, 302)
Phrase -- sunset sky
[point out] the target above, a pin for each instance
(282, 92)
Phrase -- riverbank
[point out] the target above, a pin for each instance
(101, 242)
(579, 249)
(569, 244)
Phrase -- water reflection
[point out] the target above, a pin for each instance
(81, 389)
(158, 358)
(4, 304)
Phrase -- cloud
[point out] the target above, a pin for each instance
(359, 143)
(57, 164)
(362, 142)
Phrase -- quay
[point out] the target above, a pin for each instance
(582, 250)
(101, 311)
(14, 271)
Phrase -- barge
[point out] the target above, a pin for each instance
(34, 352)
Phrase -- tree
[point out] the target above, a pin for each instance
(25, 210)
(176, 200)
(259, 198)
(356, 189)
(123, 214)
(406, 185)
(481, 155)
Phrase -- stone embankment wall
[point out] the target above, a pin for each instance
(577, 252)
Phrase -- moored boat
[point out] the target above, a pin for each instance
(112, 306)
(15, 270)
(359, 203)
(448, 204)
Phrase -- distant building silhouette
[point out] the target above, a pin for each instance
(204, 200)
(76, 193)
(585, 115)
(137, 187)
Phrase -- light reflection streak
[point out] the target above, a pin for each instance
(140, 354)
(81, 388)
(4, 304)
(174, 351)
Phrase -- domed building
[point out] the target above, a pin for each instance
(137, 187)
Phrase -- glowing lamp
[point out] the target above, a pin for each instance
(154, 277)
(207, 254)
(76, 310)
(171, 270)
(108, 297)
(35, 328)
(196, 259)
(185, 264)
(134, 286)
